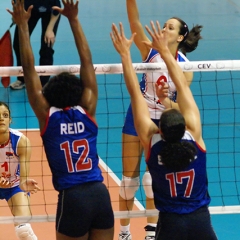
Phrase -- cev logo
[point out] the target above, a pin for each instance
(204, 66)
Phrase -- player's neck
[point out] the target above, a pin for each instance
(173, 49)
(4, 138)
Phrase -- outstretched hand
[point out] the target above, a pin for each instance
(120, 42)
(19, 14)
(159, 39)
(29, 186)
(70, 9)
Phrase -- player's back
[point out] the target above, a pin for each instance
(70, 142)
(178, 191)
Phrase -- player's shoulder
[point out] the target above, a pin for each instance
(181, 57)
(15, 132)
(18, 139)
(19, 134)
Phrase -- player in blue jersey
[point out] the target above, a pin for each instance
(174, 151)
(181, 40)
(15, 184)
(66, 109)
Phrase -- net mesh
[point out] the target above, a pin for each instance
(216, 88)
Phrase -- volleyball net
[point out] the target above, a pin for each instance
(216, 88)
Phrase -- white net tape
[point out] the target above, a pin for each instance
(193, 66)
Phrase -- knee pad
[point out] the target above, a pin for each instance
(129, 187)
(147, 184)
(25, 232)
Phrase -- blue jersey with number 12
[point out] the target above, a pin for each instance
(70, 142)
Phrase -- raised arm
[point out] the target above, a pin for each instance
(142, 121)
(87, 73)
(136, 27)
(32, 80)
(186, 102)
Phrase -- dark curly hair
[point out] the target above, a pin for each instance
(176, 154)
(191, 38)
(63, 90)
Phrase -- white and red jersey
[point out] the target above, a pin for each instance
(9, 160)
(147, 84)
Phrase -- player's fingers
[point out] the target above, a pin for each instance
(149, 30)
(153, 27)
(37, 187)
(8, 10)
(158, 27)
(115, 32)
(133, 36)
(121, 30)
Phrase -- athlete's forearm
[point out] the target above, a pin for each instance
(53, 21)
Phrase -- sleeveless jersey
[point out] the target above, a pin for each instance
(178, 192)
(70, 142)
(147, 84)
(9, 160)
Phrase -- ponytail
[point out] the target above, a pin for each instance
(190, 43)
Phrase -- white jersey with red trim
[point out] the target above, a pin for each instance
(147, 84)
(9, 160)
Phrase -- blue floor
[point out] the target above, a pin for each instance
(217, 94)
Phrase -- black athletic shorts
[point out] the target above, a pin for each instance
(82, 208)
(192, 226)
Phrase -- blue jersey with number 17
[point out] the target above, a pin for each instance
(70, 142)
(178, 192)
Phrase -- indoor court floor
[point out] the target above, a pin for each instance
(221, 41)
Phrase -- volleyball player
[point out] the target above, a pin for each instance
(15, 184)
(174, 151)
(180, 41)
(66, 109)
